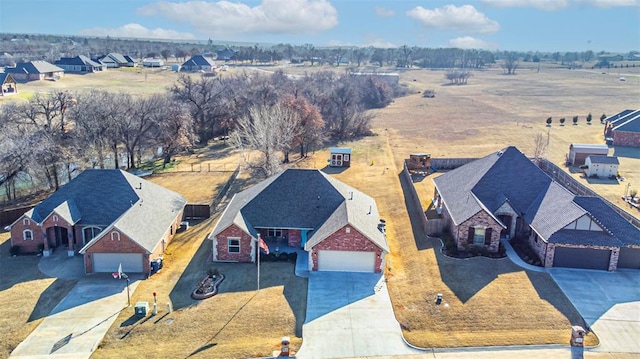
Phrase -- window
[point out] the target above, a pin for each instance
(234, 245)
(115, 236)
(346, 158)
(27, 235)
(90, 233)
(274, 232)
(55, 218)
(478, 235)
(26, 222)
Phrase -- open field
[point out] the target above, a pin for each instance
(27, 296)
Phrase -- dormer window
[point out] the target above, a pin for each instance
(26, 222)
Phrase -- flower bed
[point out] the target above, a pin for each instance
(208, 287)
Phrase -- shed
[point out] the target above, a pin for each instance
(601, 166)
(419, 161)
(340, 157)
(578, 152)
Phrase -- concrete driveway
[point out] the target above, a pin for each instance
(608, 301)
(350, 315)
(76, 326)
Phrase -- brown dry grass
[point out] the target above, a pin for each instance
(236, 323)
(490, 302)
(26, 294)
(196, 187)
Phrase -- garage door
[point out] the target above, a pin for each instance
(346, 261)
(629, 258)
(109, 262)
(586, 258)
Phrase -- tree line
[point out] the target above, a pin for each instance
(53, 135)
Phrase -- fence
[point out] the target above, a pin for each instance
(577, 188)
(203, 167)
(449, 163)
(8, 216)
(199, 211)
(413, 199)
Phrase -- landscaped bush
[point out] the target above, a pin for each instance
(14, 250)
(279, 257)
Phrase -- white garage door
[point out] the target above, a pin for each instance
(109, 262)
(346, 261)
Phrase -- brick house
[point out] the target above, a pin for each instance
(336, 225)
(505, 195)
(623, 128)
(108, 216)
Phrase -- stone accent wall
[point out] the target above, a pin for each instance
(506, 209)
(629, 139)
(484, 219)
(548, 259)
(347, 238)
(613, 261)
(294, 239)
(247, 245)
(539, 247)
(17, 237)
(108, 245)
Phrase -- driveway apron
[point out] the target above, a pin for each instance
(350, 315)
(608, 301)
(78, 323)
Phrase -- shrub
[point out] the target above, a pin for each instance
(633, 193)
(549, 120)
(562, 121)
(14, 250)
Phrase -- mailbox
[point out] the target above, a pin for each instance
(284, 349)
(142, 308)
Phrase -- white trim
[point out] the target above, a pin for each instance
(24, 235)
(26, 222)
(229, 239)
(84, 237)
(116, 236)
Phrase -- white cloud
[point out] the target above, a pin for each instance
(384, 12)
(464, 19)
(379, 43)
(554, 5)
(468, 42)
(137, 31)
(224, 18)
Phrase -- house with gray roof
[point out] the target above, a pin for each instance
(80, 64)
(198, 63)
(35, 71)
(505, 195)
(115, 60)
(623, 128)
(336, 226)
(8, 85)
(111, 217)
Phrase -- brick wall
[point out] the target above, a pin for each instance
(247, 246)
(51, 222)
(293, 238)
(484, 219)
(108, 245)
(17, 238)
(630, 139)
(347, 239)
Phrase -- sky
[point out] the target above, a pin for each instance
(506, 25)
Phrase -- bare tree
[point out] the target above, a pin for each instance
(510, 63)
(540, 144)
(174, 130)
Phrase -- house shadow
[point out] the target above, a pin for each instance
(18, 269)
(606, 181)
(420, 237)
(50, 298)
(554, 296)
(333, 170)
(630, 152)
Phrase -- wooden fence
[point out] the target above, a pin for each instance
(199, 211)
(413, 200)
(449, 163)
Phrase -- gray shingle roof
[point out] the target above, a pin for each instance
(78, 60)
(553, 210)
(623, 230)
(302, 199)
(618, 116)
(34, 67)
(606, 160)
(140, 209)
(629, 123)
(4, 76)
(197, 60)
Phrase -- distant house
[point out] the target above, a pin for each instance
(610, 57)
(152, 62)
(505, 195)
(80, 64)
(334, 227)
(114, 60)
(8, 84)
(111, 217)
(225, 55)
(34, 71)
(198, 63)
(578, 152)
(340, 157)
(623, 129)
(601, 166)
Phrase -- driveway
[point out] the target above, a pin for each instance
(608, 301)
(76, 326)
(350, 315)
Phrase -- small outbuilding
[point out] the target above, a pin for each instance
(601, 166)
(340, 157)
(578, 152)
(8, 84)
(419, 161)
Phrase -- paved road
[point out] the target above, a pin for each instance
(350, 315)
